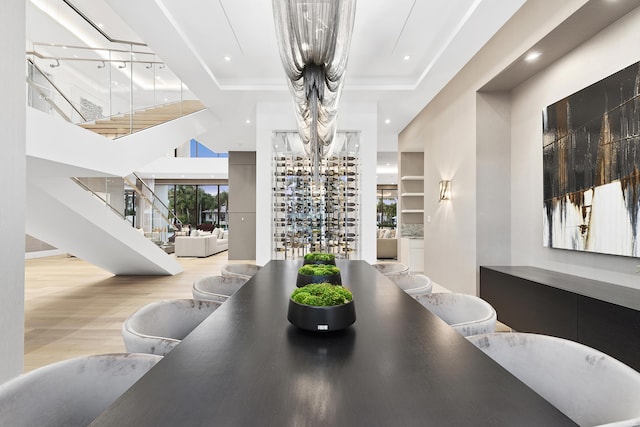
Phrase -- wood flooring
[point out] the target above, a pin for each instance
(73, 308)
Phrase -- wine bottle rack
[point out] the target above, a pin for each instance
(315, 215)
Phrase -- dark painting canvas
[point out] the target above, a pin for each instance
(591, 161)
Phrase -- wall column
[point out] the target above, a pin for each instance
(12, 187)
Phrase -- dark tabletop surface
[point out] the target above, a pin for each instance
(397, 365)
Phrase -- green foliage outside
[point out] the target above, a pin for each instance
(319, 256)
(322, 294)
(318, 270)
(386, 211)
(183, 197)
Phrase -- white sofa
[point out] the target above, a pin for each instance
(386, 244)
(202, 244)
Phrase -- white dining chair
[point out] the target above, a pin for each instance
(590, 387)
(467, 314)
(413, 284)
(216, 288)
(72, 392)
(158, 327)
(390, 268)
(241, 271)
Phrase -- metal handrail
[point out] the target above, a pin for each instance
(97, 28)
(56, 88)
(66, 58)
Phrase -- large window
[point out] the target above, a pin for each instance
(200, 204)
(387, 196)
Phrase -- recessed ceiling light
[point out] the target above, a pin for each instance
(248, 121)
(406, 57)
(276, 145)
(532, 56)
(387, 121)
(227, 58)
(388, 164)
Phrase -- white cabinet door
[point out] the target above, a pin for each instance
(412, 254)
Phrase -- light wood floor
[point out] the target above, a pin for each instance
(73, 308)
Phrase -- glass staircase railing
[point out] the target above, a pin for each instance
(146, 212)
(157, 215)
(112, 86)
(48, 96)
(101, 196)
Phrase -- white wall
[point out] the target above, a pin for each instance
(360, 117)
(446, 130)
(493, 189)
(12, 187)
(608, 52)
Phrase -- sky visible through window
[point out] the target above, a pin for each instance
(199, 150)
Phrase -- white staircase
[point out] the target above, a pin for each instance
(64, 215)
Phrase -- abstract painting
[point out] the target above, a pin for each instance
(591, 163)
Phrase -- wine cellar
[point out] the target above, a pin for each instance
(315, 215)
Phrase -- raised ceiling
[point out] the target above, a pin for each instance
(195, 36)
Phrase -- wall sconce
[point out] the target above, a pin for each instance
(445, 190)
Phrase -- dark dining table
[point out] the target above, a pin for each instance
(397, 365)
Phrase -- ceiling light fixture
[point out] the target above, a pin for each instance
(313, 39)
(532, 56)
(406, 57)
(248, 121)
(227, 58)
(387, 121)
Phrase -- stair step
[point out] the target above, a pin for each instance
(118, 126)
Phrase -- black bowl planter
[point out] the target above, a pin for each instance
(321, 319)
(305, 279)
(319, 258)
(329, 262)
(318, 274)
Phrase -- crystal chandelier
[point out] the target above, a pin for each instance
(313, 38)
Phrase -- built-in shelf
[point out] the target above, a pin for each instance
(411, 188)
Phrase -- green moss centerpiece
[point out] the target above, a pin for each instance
(318, 273)
(321, 307)
(319, 258)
